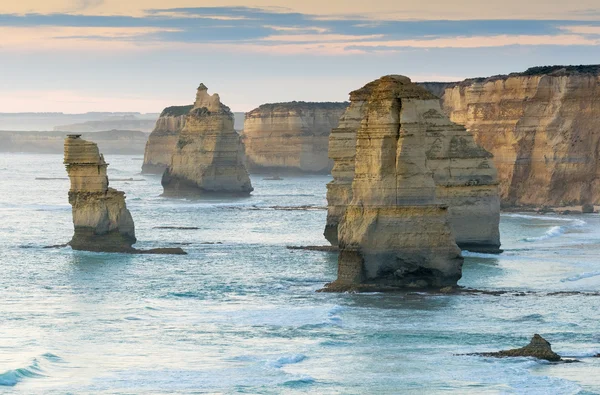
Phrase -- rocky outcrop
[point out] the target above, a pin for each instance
(290, 137)
(208, 156)
(123, 142)
(163, 139)
(464, 174)
(394, 233)
(538, 348)
(541, 126)
(102, 221)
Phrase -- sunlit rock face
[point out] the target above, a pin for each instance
(464, 174)
(290, 137)
(542, 128)
(100, 216)
(394, 233)
(208, 155)
(163, 139)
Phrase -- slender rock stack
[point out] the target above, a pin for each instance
(290, 137)
(464, 174)
(394, 233)
(102, 221)
(208, 156)
(163, 140)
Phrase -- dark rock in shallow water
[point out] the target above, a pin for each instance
(587, 208)
(538, 348)
(315, 248)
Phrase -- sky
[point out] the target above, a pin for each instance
(76, 56)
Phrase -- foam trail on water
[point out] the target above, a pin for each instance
(581, 276)
(287, 360)
(469, 254)
(550, 233)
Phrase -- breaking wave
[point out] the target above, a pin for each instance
(12, 377)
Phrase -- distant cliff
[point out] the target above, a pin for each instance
(144, 125)
(130, 142)
(290, 136)
(163, 139)
(542, 127)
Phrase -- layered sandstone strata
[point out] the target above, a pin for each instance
(464, 174)
(293, 136)
(163, 139)
(541, 126)
(208, 156)
(101, 219)
(394, 233)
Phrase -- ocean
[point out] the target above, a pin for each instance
(240, 313)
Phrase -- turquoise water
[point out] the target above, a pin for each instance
(243, 316)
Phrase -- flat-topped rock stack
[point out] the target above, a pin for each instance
(290, 137)
(394, 233)
(208, 157)
(163, 140)
(464, 174)
(100, 216)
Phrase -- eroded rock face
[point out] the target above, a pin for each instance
(163, 139)
(541, 126)
(464, 174)
(394, 233)
(290, 137)
(100, 216)
(208, 155)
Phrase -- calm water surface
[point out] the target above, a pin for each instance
(240, 314)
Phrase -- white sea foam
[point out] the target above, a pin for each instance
(469, 254)
(539, 217)
(550, 233)
(287, 360)
(581, 276)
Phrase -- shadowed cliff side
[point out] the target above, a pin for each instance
(208, 156)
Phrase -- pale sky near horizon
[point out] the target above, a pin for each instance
(144, 55)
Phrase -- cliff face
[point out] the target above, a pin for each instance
(542, 128)
(393, 232)
(101, 219)
(290, 136)
(208, 156)
(464, 174)
(163, 139)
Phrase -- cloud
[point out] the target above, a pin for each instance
(276, 31)
(592, 30)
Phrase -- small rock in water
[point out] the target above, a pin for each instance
(538, 348)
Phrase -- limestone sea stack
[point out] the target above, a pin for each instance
(290, 137)
(541, 125)
(394, 234)
(464, 173)
(163, 139)
(208, 157)
(102, 221)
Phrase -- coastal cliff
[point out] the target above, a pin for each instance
(464, 175)
(542, 128)
(100, 216)
(394, 233)
(208, 156)
(290, 137)
(163, 139)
